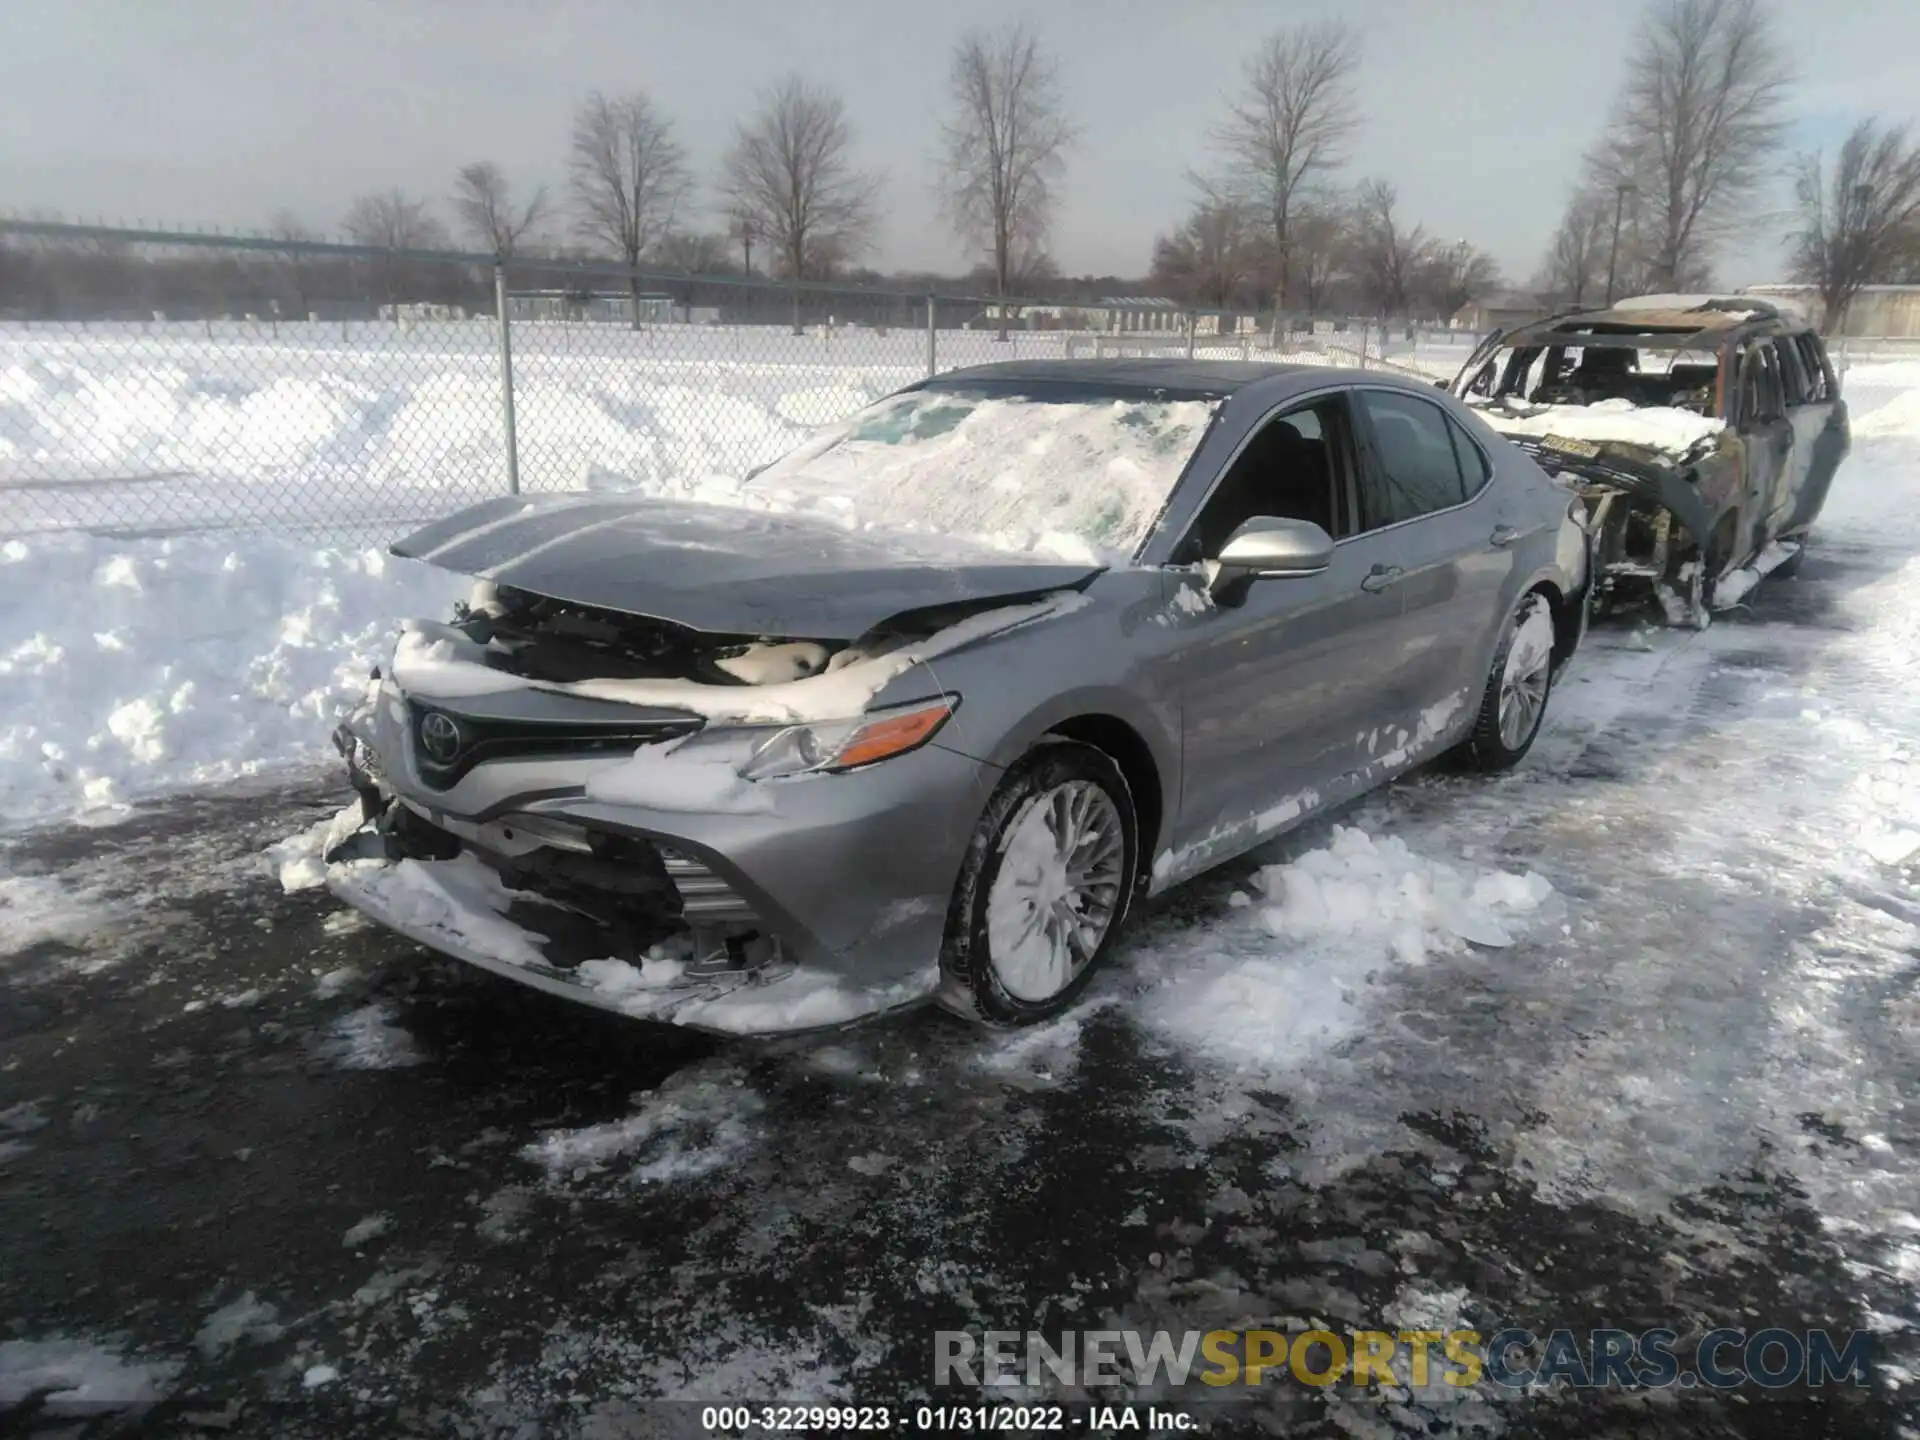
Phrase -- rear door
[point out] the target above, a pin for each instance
(1768, 434)
(1424, 497)
(1820, 433)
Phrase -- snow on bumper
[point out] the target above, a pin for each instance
(458, 907)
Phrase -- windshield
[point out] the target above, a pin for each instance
(1067, 475)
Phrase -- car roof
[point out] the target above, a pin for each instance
(1121, 375)
(1661, 322)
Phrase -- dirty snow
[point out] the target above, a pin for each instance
(371, 1038)
(1288, 974)
(299, 861)
(1670, 431)
(700, 1120)
(79, 1376)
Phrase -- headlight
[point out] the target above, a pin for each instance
(846, 744)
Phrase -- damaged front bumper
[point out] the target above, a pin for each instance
(821, 904)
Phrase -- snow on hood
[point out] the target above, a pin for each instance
(1663, 428)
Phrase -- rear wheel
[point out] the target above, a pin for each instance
(1515, 700)
(1044, 888)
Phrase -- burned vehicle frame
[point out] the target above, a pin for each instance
(1675, 508)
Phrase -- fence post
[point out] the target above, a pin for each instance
(1193, 324)
(933, 353)
(508, 431)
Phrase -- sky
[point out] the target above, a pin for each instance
(204, 113)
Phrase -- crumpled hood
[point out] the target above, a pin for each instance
(722, 568)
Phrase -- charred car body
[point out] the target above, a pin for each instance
(1704, 433)
(773, 765)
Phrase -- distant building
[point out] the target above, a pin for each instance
(1501, 310)
(1114, 315)
(419, 310)
(608, 307)
(1879, 312)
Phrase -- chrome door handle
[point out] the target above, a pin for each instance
(1503, 536)
(1380, 577)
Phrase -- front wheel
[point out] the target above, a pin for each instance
(1044, 888)
(1515, 701)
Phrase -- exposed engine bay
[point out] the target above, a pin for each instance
(559, 642)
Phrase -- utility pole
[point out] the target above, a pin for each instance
(1613, 251)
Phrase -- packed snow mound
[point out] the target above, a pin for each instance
(1660, 427)
(1899, 416)
(129, 668)
(1285, 977)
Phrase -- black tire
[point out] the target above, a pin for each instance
(970, 984)
(1486, 749)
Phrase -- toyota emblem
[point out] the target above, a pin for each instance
(439, 737)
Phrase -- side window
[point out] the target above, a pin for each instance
(1759, 386)
(1415, 471)
(1294, 468)
(1793, 374)
(1819, 389)
(1473, 460)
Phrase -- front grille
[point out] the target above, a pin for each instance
(448, 743)
(705, 898)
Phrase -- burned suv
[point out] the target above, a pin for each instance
(1702, 432)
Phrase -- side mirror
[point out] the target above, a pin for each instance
(1267, 547)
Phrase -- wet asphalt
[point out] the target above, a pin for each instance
(247, 1136)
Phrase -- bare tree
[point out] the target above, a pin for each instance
(1693, 129)
(1294, 113)
(484, 206)
(392, 221)
(1447, 277)
(1387, 252)
(790, 172)
(296, 267)
(629, 178)
(1857, 221)
(1214, 254)
(1577, 255)
(1006, 144)
(1319, 242)
(692, 252)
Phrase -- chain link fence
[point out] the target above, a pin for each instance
(155, 383)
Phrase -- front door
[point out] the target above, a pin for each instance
(1274, 688)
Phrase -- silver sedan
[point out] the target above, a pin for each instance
(923, 709)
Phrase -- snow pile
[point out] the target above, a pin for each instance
(129, 668)
(79, 1377)
(1658, 427)
(700, 1120)
(300, 860)
(1283, 978)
